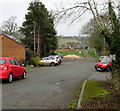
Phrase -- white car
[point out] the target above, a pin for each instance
(52, 61)
(103, 57)
(59, 59)
(57, 54)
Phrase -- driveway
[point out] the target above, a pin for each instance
(47, 87)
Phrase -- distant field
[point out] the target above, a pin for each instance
(62, 41)
(65, 52)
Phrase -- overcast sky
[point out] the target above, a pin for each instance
(18, 8)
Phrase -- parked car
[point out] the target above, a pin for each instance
(10, 68)
(103, 65)
(58, 58)
(57, 54)
(52, 61)
(103, 57)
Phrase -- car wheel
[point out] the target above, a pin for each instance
(10, 78)
(52, 64)
(60, 62)
(24, 75)
(96, 69)
(108, 69)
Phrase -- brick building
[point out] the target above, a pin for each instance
(10, 47)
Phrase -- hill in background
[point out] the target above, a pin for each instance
(73, 42)
(68, 42)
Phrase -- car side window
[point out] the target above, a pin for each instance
(48, 58)
(12, 61)
(17, 63)
(44, 58)
(52, 58)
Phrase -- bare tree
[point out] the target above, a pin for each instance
(96, 39)
(80, 7)
(10, 26)
(97, 9)
(111, 34)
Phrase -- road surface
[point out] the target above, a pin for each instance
(47, 87)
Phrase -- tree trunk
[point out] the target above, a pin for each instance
(34, 39)
(39, 42)
(44, 48)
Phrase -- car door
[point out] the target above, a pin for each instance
(46, 61)
(19, 68)
(49, 60)
(13, 67)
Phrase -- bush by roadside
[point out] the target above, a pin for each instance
(32, 59)
(35, 61)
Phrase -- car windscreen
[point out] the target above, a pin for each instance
(2, 61)
(105, 61)
(102, 57)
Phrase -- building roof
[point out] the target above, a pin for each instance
(12, 38)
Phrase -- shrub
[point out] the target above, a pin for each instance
(35, 61)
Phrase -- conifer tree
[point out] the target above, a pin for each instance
(38, 28)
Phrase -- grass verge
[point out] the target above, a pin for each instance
(92, 52)
(74, 102)
(109, 99)
(93, 89)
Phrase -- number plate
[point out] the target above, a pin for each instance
(98, 69)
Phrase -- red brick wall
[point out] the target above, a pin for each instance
(11, 48)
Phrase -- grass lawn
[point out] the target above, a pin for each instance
(93, 53)
(93, 89)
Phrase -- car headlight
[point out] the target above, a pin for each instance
(104, 65)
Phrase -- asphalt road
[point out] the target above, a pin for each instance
(47, 87)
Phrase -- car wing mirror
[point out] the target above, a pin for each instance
(22, 65)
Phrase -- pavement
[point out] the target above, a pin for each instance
(100, 76)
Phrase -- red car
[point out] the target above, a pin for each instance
(103, 65)
(10, 68)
